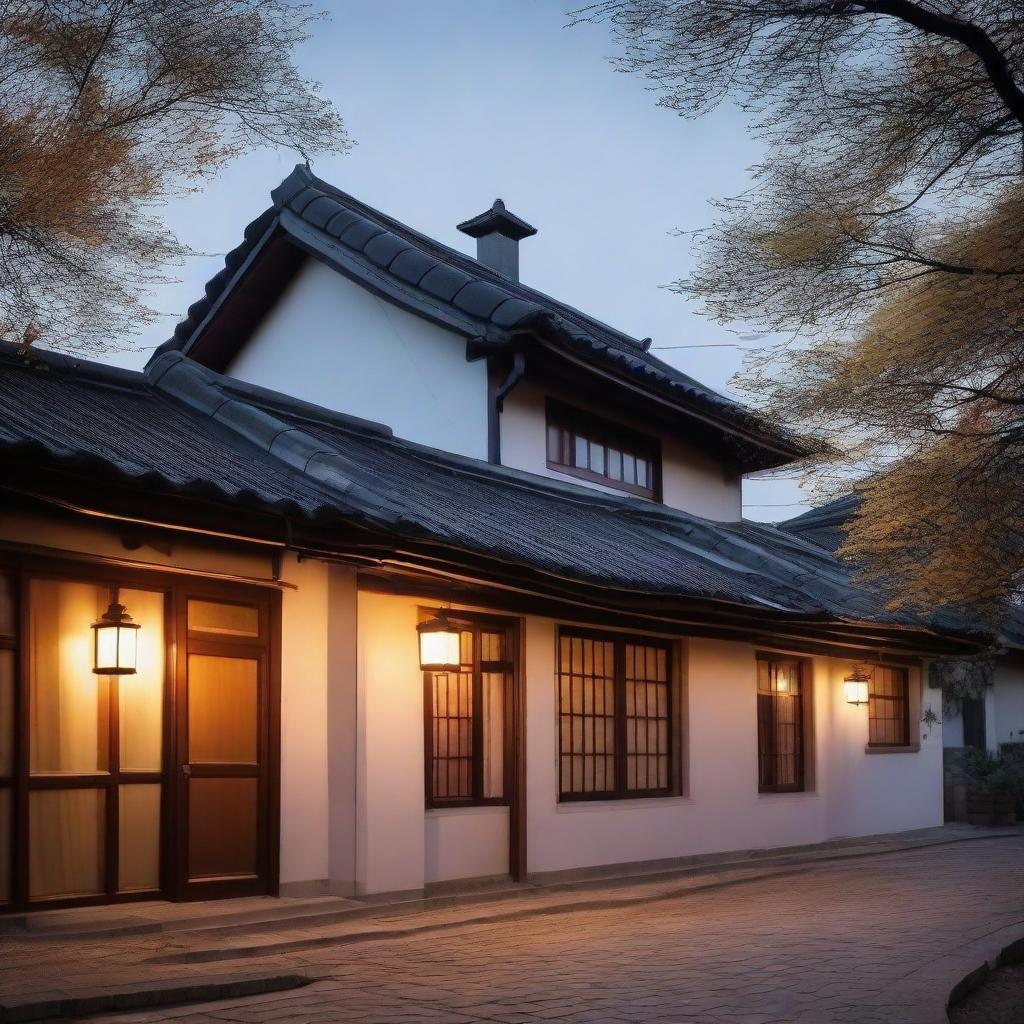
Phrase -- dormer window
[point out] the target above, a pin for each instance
(593, 448)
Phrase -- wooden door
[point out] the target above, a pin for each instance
(226, 758)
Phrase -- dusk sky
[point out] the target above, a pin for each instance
(454, 102)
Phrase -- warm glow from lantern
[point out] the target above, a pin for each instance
(439, 645)
(116, 647)
(856, 691)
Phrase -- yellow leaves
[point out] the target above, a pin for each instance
(809, 235)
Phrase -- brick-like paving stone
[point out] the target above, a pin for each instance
(881, 938)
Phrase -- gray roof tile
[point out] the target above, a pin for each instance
(412, 265)
(320, 211)
(360, 233)
(445, 282)
(384, 248)
(341, 221)
(480, 299)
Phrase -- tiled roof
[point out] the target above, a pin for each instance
(186, 428)
(464, 294)
(94, 419)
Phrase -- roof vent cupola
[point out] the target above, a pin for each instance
(498, 233)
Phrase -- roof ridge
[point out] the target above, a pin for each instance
(471, 262)
(201, 389)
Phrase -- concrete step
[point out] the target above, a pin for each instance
(60, 1004)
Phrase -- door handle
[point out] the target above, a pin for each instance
(186, 770)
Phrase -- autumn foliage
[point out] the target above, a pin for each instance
(883, 241)
(107, 110)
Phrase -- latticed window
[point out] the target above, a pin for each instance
(888, 707)
(587, 446)
(615, 717)
(780, 724)
(467, 753)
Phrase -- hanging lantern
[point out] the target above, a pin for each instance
(439, 644)
(855, 685)
(115, 642)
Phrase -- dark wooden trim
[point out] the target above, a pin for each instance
(620, 641)
(800, 635)
(476, 624)
(517, 860)
(803, 704)
(609, 434)
(19, 841)
(907, 738)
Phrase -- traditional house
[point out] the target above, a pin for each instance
(390, 572)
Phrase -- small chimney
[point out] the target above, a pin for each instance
(498, 233)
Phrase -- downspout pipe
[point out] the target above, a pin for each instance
(498, 394)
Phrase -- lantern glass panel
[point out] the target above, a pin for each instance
(440, 648)
(856, 691)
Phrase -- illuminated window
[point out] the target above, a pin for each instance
(780, 724)
(467, 750)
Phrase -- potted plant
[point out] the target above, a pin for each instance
(993, 785)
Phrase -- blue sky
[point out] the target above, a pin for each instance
(455, 102)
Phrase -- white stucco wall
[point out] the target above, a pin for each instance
(465, 842)
(304, 732)
(691, 480)
(851, 792)
(402, 846)
(1008, 704)
(331, 342)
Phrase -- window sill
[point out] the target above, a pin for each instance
(456, 812)
(646, 802)
(908, 748)
(787, 793)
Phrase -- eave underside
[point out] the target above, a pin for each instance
(437, 572)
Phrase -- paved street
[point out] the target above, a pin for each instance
(881, 938)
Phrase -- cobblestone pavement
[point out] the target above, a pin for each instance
(880, 938)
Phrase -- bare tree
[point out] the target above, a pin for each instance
(107, 110)
(882, 236)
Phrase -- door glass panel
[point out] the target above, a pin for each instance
(7, 624)
(138, 862)
(6, 714)
(141, 696)
(6, 806)
(222, 710)
(223, 619)
(223, 825)
(68, 704)
(65, 841)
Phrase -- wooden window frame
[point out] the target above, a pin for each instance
(578, 423)
(477, 624)
(905, 742)
(675, 738)
(805, 675)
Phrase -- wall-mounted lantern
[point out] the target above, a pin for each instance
(115, 642)
(439, 644)
(855, 685)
